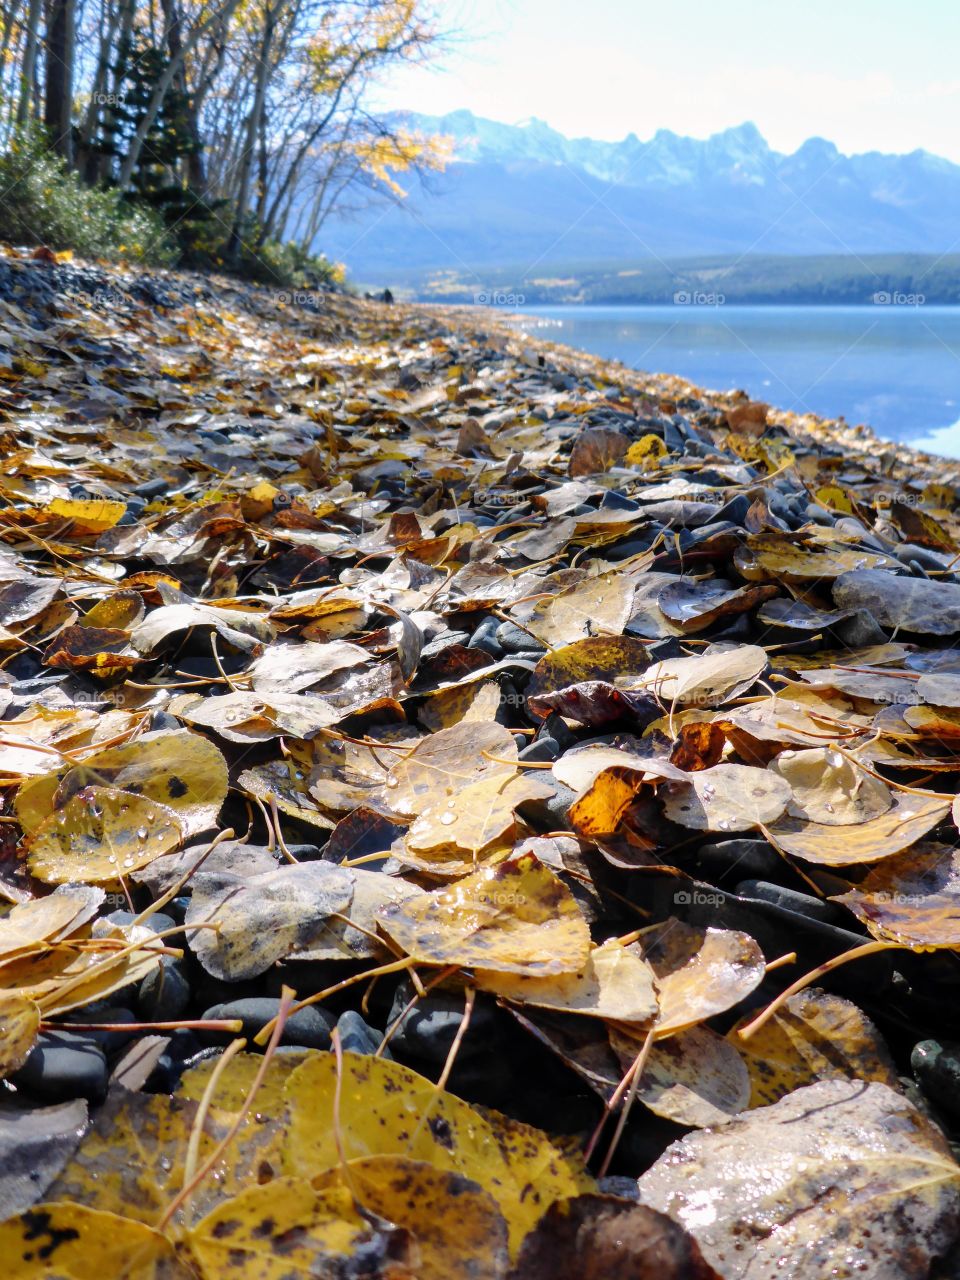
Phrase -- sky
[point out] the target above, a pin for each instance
(866, 74)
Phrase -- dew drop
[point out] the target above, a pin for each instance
(142, 833)
(723, 824)
(828, 806)
(393, 782)
(447, 819)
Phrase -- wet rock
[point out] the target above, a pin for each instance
(791, 899)
(549, 813)
(729, 858)
(936, 1066)
(64, 1065)
(540, 750)
(356, 1035)
(308, 1027)
(165, 993)
(427, 1030)
(485, 637)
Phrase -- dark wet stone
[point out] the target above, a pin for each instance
(165, 993)
(614, 500)
(936, 1066)
(860, 630)
(427, 1031)
(109, 1041)
(549, 813)
(356, 1036)
(485, 637)
(738, 858)
(803, 903)
(64, 1065)
(540, 750)
(556, 727)
(818, 514)
(152, 488)
(513, 639)
(735, 510)
(308, 1027)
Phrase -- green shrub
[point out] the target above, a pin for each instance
(43, 202)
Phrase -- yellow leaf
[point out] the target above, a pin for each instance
(513, 918)
(19, 1024)
(387, 1109)
(87, 515)
(54, 1241)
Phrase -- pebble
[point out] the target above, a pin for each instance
(63, 1064)
(753, 858)
(791, 900)
(427, 1031)
(540, 750)
(549, 813)
(485, 637)
(309, 1028)
(357, 1036)
(860, 630)
(936, 1065)
(513, 639)
(165, 993)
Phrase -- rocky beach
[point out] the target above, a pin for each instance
(551, 764)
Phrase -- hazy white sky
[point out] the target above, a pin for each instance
(867, 74)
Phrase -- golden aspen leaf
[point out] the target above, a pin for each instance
(99, 834)
(123, 609)
(646, 452)
(441, 765)
(131, 1160)
(694, 1077)
(596, 449)
(910, 818)
(595, 606)
(470, 703)
(458, 1232)
(60, 1241)
(886, 1199)
(616, 659)
(282, 1229)
(19, 1024)
(699, 972)
(728, 797)
(27, 926)
(236, 1078)
(720, 672)
(517, 917)
(615, 983)
(387, 1109)
(177, 769)
(92, 515)
(830, 788)
(481, 814)
(834, 498)
(814, 1036)
(912, 897)
(597, 812)
(125, 954)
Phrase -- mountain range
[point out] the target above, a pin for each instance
(531, 203)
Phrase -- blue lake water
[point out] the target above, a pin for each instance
(894, 367)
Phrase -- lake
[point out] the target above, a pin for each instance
(894, 367)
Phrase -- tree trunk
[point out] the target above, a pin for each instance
(232, 251)
(58, 100)
(28, 70)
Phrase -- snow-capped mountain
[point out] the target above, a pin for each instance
(528, 196)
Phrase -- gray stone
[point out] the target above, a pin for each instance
(64, 1065)
(309, 1028)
